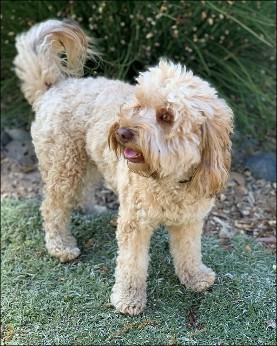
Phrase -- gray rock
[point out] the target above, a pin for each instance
(23, 153)
(242, 148)
(5, 138)
(17, 145)
(262, 165)
(18, 134)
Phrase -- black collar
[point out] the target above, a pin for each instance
(184, 181)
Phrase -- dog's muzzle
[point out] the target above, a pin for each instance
(124, 134)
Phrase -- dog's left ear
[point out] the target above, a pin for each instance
(113, 143)
(212, 173)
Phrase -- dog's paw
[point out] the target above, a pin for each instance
(199, 280)
(65, 255)
(64, 249)
(131, 302)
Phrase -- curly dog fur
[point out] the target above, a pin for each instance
(162, 145)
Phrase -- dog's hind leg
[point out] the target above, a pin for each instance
(64, 166)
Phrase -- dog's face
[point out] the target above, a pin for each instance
(175, 127)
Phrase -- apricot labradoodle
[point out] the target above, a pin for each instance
(162, 145)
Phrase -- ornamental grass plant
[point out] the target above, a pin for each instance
(229, 43)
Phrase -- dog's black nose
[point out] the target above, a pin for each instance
(124, 134)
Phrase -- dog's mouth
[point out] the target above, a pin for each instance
(133, 156)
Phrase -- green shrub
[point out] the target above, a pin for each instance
(229, 43)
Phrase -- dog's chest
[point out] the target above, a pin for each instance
(170, 206)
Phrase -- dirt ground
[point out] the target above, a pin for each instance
(246, 206)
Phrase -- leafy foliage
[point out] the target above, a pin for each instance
(229, 43)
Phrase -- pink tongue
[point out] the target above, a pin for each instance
(130, 154)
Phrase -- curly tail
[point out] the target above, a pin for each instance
(50, 52)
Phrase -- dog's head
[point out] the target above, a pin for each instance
(175, 127)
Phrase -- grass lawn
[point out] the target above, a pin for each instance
(48, 303)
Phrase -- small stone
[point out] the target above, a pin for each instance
(245, 212)
(247, 173)
(92, 209)
(248, 249)
(100, 209)
(222, 197)
(271, 324)
(237, 177)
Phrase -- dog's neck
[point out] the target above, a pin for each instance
(188, 176)
(184, 181)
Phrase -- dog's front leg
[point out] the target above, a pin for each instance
(185, 245)
(129, 292)
(59, 241)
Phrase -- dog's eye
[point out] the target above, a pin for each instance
(166, 117)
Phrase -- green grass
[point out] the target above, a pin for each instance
(48, 303)
(229, 43)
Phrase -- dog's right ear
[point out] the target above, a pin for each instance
(113, 143)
